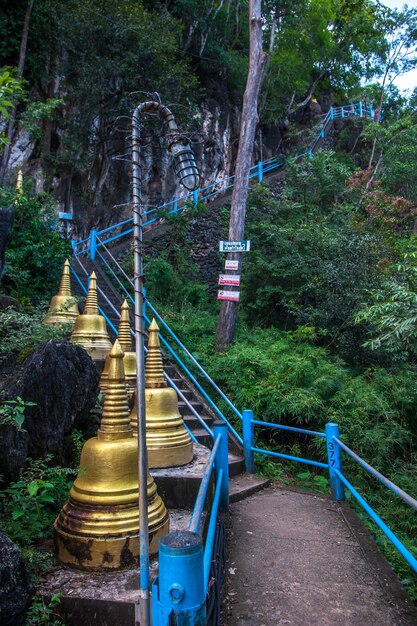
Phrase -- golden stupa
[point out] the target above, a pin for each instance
(129, 360)
(98, 528)
(63, 308)
(168, 441)
(90, 330)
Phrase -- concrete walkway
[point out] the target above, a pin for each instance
(302, 559)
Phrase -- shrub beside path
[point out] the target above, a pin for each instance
(301, 559)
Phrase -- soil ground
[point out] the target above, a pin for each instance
(298, 558)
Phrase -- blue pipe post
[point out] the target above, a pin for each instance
(331, 113)
(144, 302)
(248, 442)
(221, 462)
(178, 594)
(260, 172)
(360, 109)
(175, 205)
(322, 133)
(195, 197)
(310, 153)
(371, 111)
(335, 460)
(93, 243)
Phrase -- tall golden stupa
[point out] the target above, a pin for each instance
(168, 441)
(63, 308)
(90, 330)
(129, 360)
(98, 528)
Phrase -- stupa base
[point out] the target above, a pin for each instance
(98, 554)
(174, 456)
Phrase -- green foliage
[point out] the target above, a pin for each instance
(36, 247)
(392, 314)
(12, 412)
(9, 88)
(41, 613)
(30, 505)
(21, 332)
(313, 259)
(36, 113)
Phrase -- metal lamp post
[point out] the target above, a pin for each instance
(187, 171)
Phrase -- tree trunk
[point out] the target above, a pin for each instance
(226, 325)
(20, 68)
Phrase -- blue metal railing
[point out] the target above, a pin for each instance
(334, 465)
(257, 171)
(184, 566)
(179, 346)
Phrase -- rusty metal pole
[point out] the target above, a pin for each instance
(186, 169)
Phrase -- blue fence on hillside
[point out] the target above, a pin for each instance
(181, 592)
(98, 238)
(174, 348)
(338, 480)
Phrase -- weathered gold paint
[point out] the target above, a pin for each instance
(98, 528)
(90, 330)
(63, 308)
(125, 339)
(168, 441)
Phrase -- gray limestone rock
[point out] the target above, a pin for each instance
(16, 587)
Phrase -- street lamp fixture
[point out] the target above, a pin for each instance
(187, 171)
(185, 165)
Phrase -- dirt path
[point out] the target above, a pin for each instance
(301, 559)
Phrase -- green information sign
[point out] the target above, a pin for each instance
(234, 246)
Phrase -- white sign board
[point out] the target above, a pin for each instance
(231, 265)
(229, 279)
(233, 296)
(234, 246)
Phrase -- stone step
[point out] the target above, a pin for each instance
(193, 423)
(236, 464)
(203, 437)
(184, 409)
(244, 485)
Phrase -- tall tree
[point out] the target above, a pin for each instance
(226, 326)
(20, 68)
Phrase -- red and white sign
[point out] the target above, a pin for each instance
(233, 280)
(233, 296)
(231, 265)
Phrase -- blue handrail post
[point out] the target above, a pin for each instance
(195, 197)
(175, 205)
(144, 302)
(371, 112)
(93, 243)
(248, 441)
(310, 153)
(331, 113)
(360, 109)
(335, 460)
(260, 172)
(178, 594)
(221, 462)
(322, 133)
(342, 111)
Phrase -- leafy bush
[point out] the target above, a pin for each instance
(36, 250)
(21, 332)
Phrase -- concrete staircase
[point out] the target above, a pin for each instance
(241, 484)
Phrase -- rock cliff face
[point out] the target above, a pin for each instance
(62, 382)
(99, 195)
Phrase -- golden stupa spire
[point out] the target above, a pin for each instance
(65, 286)
(115, 421)
(154, 376)
(91, 303)
(124, 336)
(19, 181)
(129, 359)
